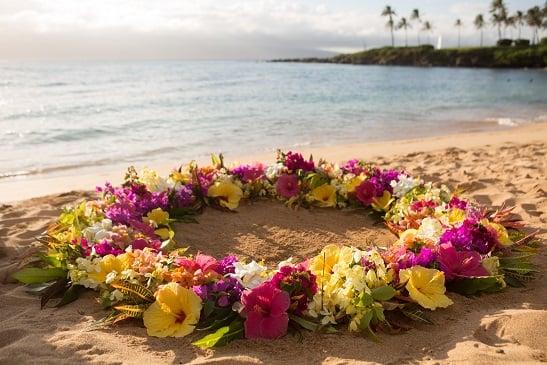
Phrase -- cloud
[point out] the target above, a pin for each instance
(197, 28)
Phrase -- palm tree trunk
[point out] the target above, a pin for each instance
(481, 37)
(519, 30)
(459, 31)
(406, 39)
(392, 39)
(499, 31)
(418, 37)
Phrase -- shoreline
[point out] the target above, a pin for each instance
(16, 189)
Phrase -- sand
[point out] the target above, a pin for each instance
(508, 327)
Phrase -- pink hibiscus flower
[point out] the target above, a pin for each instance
(266, 309)
(365, 192)
(460, 264)
(287, 186)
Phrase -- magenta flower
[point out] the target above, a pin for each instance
(294, 161)
(249, 173)
(287, 186)
(365, 192)
(354, 166)
(299, 282)
(266, 309)
(471, 236)
(460, 264)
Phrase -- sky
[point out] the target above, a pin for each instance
(223, 29)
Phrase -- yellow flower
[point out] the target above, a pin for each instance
(382, 203)
(165, 233)
(158, 216)
(228, 193)
(322, 264)
(503, 236)
(325, 195)
(408, 237)
(109, 264)
(180, 176)
(175, 312)
(352, 184)
(425, 286)
(456, 216)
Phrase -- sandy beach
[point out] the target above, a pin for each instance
(493, 167)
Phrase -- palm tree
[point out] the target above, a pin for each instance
(534, 18)
(428, 28)
(404, 24)
(519, 20)
(415, 15)
(459, 24)
(479, 24)
(390, 13)
(511, 22)
(499, 14)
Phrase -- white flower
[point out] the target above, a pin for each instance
(273, 171)
(250, 275)
(430, 229)
(404, 184)
(98, 231)
(153, 181)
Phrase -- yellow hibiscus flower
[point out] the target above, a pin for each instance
(228, 193)
(352, 184)
(175, 312)
(158, 216)
(322, 264)
(325, 195)
(109, 264)
(382, 203)
(425, 286)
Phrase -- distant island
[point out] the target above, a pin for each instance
(427, 55)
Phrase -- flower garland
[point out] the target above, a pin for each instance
(122, 245)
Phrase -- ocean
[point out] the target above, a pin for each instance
(62, 116)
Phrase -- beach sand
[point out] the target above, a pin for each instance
(508, 327)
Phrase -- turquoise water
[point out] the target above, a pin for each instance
(56, 116)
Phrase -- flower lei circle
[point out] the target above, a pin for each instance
(122, 245)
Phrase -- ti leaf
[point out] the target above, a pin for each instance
(472, 286)
(222, 336)
(35, 275)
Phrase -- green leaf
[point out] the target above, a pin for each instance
(222, 336)
(379, 314)
(70, 295)
(311, 326)
(472, 286)
(365, 300)
(383, 293)
(35, 275)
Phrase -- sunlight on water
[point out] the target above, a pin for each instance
(64, 115)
